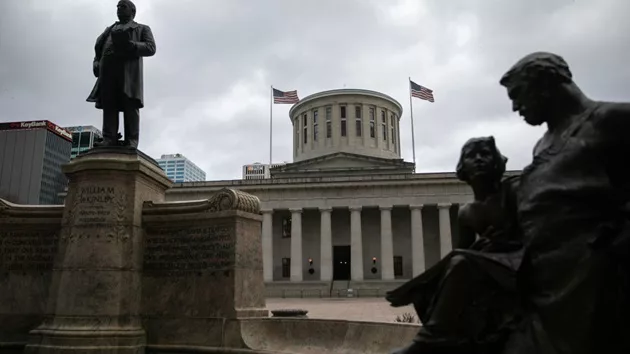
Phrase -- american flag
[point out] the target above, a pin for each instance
(421, 92)
(285, 97)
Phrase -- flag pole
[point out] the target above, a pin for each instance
(413, 133)
(270, 125)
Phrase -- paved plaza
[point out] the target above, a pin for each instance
(355, 309)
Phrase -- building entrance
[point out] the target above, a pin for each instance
(341, 262)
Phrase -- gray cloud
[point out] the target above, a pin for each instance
(207, 88)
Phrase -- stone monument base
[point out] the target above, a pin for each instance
(95, 292)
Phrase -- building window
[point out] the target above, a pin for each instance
(286, 267)
(372, 123)
(358, 120)
(384, 124)
(328, 122)
(315, 126)
(398, 266)
(305, 128)
(344, 127)
(286, 227)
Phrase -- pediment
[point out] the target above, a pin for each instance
(339, 162)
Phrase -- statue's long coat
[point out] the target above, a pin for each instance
(133, 85)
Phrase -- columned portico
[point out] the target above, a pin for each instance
(417, 240)
(326, 262)
(296, 244)
(387, 244)
(267, 244)
(446, 245)
(356, 244)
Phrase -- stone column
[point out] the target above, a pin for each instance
(417, 240)
(356, 243)
(326, 259)
(267, 244)
(296, 244)
(387, 244)
(446, 244)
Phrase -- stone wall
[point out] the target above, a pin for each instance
(28, 244)
(202, 266)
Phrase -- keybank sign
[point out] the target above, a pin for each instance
(37, 124)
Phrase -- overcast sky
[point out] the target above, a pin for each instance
(207, 87)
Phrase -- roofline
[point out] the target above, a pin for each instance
(236, 183)
(339, 92)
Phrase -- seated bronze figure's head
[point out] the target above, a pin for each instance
(535, 84)
(481, 159)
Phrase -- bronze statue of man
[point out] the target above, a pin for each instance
(118, 69)
(572, 206)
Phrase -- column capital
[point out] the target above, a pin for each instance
(385, 207)
(444, 205)
(416, 206)
(325, 209)
(354, 208)
(295, 210)
(266, 211)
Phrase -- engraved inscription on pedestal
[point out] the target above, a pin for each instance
(189, 251)
(97, 211)
(27, 250)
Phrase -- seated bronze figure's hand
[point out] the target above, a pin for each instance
(95, 68)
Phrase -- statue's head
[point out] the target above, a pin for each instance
(126, 10)
(480, 158)
(535, 83)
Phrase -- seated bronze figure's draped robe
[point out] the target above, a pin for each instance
(469, 300)
(571, 206)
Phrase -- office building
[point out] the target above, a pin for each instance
(180, 169)
(258, 170)
(83, 138)
(31, 156)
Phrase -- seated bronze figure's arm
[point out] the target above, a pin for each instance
(146, 46)
(467, 234)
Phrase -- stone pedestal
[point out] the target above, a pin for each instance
(94, 298)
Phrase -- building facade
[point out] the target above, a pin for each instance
(259, 170)
(349, 212)
(83, 138)
(31, 156)
(180, 169)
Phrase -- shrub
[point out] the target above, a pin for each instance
(407, 318)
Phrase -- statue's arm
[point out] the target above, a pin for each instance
(146, 46)
(467, 235)
(98, 52)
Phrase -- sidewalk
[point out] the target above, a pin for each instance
(355, 309)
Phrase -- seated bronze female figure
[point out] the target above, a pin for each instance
(468, 302)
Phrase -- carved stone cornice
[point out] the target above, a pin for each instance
(11, 210)
(224, 200)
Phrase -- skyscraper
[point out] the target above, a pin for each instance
(31, 155)
(180, 169)
(83, 138)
